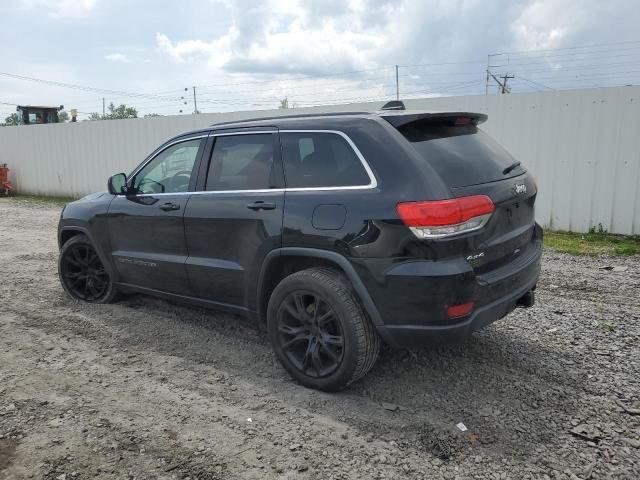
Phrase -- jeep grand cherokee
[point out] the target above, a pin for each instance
(338, 231)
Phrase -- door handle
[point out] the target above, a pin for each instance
(167, 207)
(260, 205)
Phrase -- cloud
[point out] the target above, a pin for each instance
(192, 49)
(286, 37)
(442, 47)
(545, 24)
(118, 58)
(249, 53)
(61, 8)
(314, 38)
(309, 37)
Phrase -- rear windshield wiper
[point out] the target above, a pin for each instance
(511, 167)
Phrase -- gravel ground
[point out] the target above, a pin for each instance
(147, 389)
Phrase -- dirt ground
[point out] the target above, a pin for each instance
(146, 389)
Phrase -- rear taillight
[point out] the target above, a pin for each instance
(444, 218)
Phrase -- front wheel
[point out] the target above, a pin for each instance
(82, 274)
(319, 331)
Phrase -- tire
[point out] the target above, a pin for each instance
(319, 331)
(82, 274)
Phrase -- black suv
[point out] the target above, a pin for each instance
(338, 231)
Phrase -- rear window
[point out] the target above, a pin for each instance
(461, 154)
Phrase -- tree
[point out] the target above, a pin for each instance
(284, 103)
(152, 115)
(122, 111)
(116, 113)
(63, 116)
(13, 119)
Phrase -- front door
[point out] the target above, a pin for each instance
(147, 229)
(237, 217)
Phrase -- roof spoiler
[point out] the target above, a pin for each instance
(394, 105)
(399, 119)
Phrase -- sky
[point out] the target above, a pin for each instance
(245, 55)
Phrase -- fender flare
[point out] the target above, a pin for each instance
(333, 257)
(85, 231)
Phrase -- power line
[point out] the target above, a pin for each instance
(272, 98)
(584, 61)
(453, 87)
(172, 99)
(442, 63)
(532, 82)
(302, 77)
(572, 68)
(577, 67)
(349, 88)
(577, 76)
(325, 93)
(77, 87)
(524, 52)
(570, 60)
(299, 86)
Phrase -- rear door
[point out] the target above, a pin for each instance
(236, 217)
(146, 228)
(471, 163)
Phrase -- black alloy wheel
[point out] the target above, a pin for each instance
(319, 331)
(82, 273)
(310, 334)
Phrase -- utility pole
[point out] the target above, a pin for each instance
(486, 85)
(195, 103)
(506, 77)
(103, 109)
(397, 85)
(503, 84)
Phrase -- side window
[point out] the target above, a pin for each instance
(315, 159)
(170, 171)
(242, 162)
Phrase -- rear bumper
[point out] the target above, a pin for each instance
(415, 336)
(412, 297)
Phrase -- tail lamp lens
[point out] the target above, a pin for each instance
(460, 310)
(444, 218)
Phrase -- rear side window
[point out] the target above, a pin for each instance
(242, 162)
(320, 159)
(461, 154)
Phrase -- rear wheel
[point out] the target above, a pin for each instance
(319, 331)
(82, 274)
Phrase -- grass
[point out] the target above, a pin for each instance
(42, 200)
(593, 243)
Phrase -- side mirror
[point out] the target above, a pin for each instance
(117, 184)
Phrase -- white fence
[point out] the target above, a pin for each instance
(583, 146)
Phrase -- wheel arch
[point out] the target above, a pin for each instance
(67, 232)
(274, 268)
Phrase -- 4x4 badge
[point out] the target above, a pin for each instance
(519, 188)
(471, 258)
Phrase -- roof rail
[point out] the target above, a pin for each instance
(290, 116)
